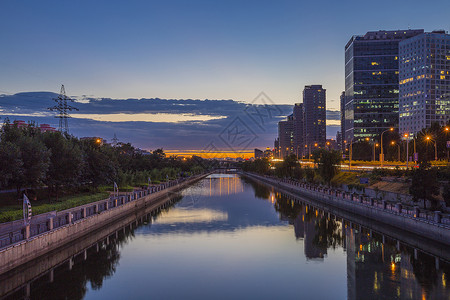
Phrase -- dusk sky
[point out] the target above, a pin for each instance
(192, 49)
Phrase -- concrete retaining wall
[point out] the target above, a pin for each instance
(27, 250)
(422, 227)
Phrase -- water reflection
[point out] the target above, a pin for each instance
(233, 238)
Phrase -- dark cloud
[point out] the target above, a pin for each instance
(261, 129)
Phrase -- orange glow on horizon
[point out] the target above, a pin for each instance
(218, 154)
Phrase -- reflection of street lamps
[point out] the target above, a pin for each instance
(428, 138)
(382, 155)
(393, 143)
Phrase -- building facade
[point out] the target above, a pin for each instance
(298, 129)
(424, 77)
(276, 146)
(314, 118)
(342, 132)
(372, 83)
(286, 136)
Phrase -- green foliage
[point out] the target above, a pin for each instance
(65, 165)
(446, 194)
(327, 163)
(424, 184)
(310, 174)
(15, 212)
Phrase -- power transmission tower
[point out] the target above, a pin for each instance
(115, 140)
(63, 108)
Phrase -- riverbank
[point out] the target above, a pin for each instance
(48, 232)
(434, 225)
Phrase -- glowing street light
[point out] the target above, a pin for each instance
(428, 138)
(393, 144)
(382, 155)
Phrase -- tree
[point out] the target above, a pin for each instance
(424, 185)
(446, 194)
(12, 163)
(328, 163)
(65, 162)
(35, 162)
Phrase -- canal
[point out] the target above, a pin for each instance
(227, 237)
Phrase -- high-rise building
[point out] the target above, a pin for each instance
(286, 136)
(276, 146)
(339, 141)
(258, 153)
(314, 118)
(342, 133)
(424, 76)
(371, 83)
(298, 129)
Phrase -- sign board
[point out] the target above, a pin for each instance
(364, 180)
(416, 156)
(448, 144)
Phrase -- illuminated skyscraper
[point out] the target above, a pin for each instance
(314, 122)
(372, 83)
(286, 136)
(424, 76)
(298, 129)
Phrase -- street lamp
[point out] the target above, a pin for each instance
(428, 138)
(382, 155)
(407, 149)
(393, 144)
(374, 145)
(350, 155)
(447, 130)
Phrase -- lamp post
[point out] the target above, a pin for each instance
(447, 130)
(306, 150)
(398, 146)
(350, 155)
(407, 149)
(382, 155)
(428, 138)
(374, 145)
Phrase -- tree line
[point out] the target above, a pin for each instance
(429, 142)
(426, 181)
(59, 161)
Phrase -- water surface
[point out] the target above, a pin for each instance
(229, 238)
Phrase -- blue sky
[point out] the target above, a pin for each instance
(193, 49)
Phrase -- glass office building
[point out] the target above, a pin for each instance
(372, 83)
(424, 81)
(314, 118)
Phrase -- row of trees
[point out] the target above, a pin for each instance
(31, 159)
(327, 162)
(425, 181)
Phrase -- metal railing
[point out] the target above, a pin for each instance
(16, 231)
(334, 195)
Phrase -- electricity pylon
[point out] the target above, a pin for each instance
(63, 108)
